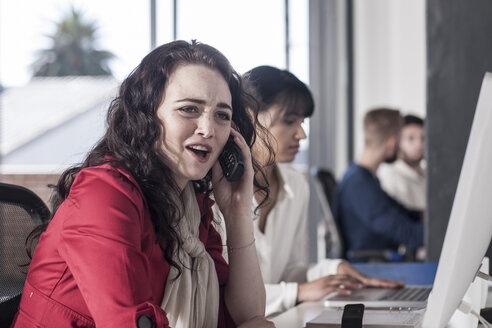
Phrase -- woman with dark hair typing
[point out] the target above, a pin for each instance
(280, 225)
(131, 242)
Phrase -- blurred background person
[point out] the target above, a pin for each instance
(370, 219)
(404, 179)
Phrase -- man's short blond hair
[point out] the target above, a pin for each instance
(380, 124)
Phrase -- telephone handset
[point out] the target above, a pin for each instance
(231, 161)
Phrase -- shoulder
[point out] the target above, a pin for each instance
(289, 173)
(105, 183)
(356, 174)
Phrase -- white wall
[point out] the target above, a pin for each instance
(389, 58)
(389, 70)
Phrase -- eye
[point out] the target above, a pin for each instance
(224, 116)
(293, 120)
(188, 109)
(289, 121)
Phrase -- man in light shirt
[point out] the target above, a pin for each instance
(404, 179)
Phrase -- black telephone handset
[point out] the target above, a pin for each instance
(231, 161)
(352, 316)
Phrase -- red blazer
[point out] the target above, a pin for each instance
(98, 263)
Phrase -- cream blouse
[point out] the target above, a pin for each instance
(283, 247)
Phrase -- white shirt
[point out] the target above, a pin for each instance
(282, 248)
(404, 184)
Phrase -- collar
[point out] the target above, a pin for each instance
(283, 182)
(285, 190)
(405, 169)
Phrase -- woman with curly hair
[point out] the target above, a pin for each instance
(131, 242)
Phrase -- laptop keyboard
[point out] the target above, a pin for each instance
(408, 294)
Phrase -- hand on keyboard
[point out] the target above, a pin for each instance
(346, 269)
(319, 288)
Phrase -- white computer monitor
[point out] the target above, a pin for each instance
(470, 225)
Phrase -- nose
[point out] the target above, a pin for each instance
(205, 126)
(300, 133)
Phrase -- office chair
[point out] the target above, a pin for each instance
(20, 212)
(325, 185)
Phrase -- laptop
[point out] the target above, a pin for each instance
(398, 298)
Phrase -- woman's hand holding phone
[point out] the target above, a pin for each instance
(234, 198)
(231, 161)
(245, 292)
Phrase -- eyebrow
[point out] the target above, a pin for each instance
(294, 114)
(203, 102)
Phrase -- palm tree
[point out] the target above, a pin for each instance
(73, 50)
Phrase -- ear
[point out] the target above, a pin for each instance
(391, 142)
(265, 118)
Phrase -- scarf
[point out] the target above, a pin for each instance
(192, 300)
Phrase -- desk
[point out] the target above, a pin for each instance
(408, 272)
(304, 312)
(299, 315)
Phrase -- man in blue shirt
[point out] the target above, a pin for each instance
(367, 216)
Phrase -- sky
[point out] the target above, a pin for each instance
(248, 32)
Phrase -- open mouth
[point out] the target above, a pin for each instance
(200, 152)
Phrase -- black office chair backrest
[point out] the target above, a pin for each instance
(328, 183)
(325, 184)
(20, 212)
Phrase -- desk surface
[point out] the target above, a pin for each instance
(408, 272)
(304, 312)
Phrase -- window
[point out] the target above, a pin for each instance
(36, 112)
